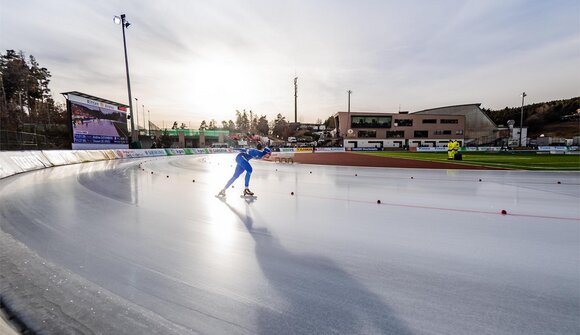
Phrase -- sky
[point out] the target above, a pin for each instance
(200, 60)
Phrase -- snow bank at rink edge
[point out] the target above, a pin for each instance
(14, 162)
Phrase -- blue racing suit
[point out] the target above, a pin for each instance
(243, 159)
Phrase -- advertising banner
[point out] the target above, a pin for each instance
(431, 149)
(220, 150)
(154, 152)
(493, 149)
(552, 148)
(173, 152)
(306, 149)
(287, 150)
(329, 149)
(365, 149)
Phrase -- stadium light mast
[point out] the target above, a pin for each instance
(125, 24)
(522, 117)
(348, 120)
(136, 114)
(295, 99)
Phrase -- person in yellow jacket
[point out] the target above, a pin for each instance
(450, 149)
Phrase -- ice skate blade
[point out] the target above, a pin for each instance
(243, 196)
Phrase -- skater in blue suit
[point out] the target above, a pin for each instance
(243, 159)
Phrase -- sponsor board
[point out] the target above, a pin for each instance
(553, 148)
(431, 149)
(365, 149)
(154, 152)
(128, 153)
(329, 149)
(494, 149)
(219, 150)
(196, 151)
(309, 149)
(286, 149)
(173, 152)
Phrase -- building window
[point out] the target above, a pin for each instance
(370, 121)
(404, 122)
(421, 133)
(429, 120)
(442, 132)
(396, 134)
(459, 132)
(367, 133)
(448, 121)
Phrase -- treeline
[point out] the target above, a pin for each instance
(248, 122)
(537, 116)
(25, 97)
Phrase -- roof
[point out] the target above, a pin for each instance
(92, 97)
(431, 109)
(449, 110)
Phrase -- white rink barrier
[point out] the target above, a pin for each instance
(19, 161)
(14, 162)
(56, 157)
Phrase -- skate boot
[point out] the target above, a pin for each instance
(248, 193)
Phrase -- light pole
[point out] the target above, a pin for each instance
(348, 120)
(295, 99)
(148, 123)
(143, 111)
(137, 113)
(125, 24)
(522, 117)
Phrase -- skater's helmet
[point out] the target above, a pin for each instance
(267, 151)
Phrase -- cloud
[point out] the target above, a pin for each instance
(191, 61)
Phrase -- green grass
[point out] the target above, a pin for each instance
(520, 161)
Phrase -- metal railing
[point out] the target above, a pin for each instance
(14, 140)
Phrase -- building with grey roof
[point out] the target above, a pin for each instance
(479, 128)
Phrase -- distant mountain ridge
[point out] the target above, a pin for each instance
(558, 118)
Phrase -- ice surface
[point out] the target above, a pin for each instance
(315, 253)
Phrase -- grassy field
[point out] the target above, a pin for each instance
(500, 160)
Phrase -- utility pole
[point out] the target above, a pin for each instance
(143, 110)
(137, 113)
(522, 117)
(251, 121)
(295, 99)
(348, 121)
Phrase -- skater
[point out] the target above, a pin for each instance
(244, 165)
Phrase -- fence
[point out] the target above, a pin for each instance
(13, 140)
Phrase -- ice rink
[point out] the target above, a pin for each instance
(141, 244)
